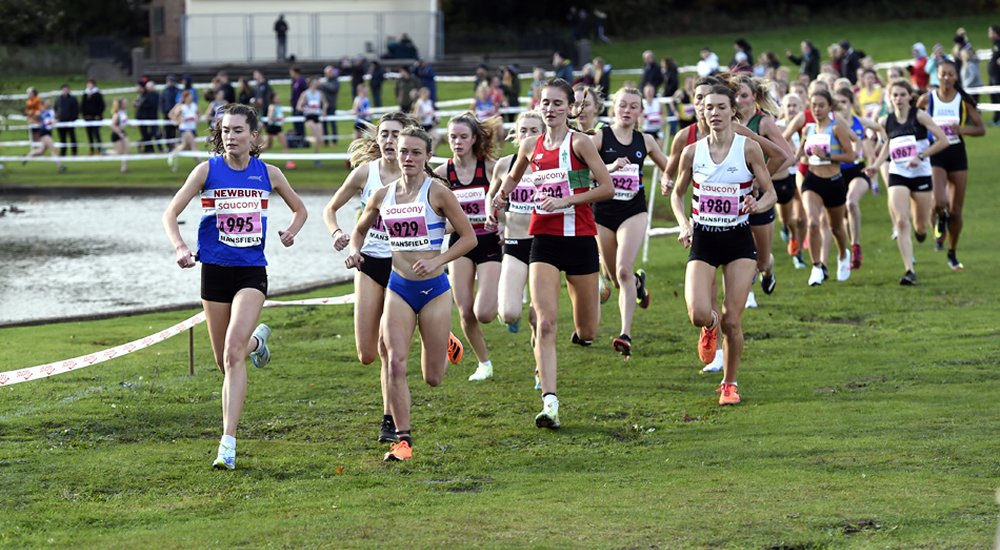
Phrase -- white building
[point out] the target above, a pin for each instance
(242, 31)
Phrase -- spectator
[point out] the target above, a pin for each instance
(511, 87)
(918, 70)
(378, 78)
(767, 60)
(537, 83)
(971, 77)
(189, 86)
(281, 31)
(600, 21)
(586, 76)
(497, 95)
(651, 73)
(993, 71)
(92, 108)
(262, 93)
(168, 98)
(147, 107)
(936, 57)
(405, 84)
(244, 92)
(708, 64)
(228, 92)
(850, 62)
(407, 48)
(962, 42)
(741, 64)
(563, 67)
(671, 76)
(741, 45)
(836, 54)
(482, 75)
(331, 89)
(358, 70)
(602, 75)
(299, 85)
(425, 72)
(67, 110)
(808, 62)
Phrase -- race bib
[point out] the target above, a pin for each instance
(551, 183)
(626, 182)
(473, 202)
(522, 199)
(239, 215)
(948, 123)
(902, 149)
(818, 148)
(377, 231)
(718, 204)
(407, 226)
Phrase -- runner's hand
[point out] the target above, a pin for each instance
(287, 238)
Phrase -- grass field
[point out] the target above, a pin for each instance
(869, 421)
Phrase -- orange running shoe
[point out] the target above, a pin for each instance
(729, 394)
(402, 451)
(290, 165)
(793, 247)
(455, 349)
(708, 343)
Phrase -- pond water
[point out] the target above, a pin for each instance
(69, 256)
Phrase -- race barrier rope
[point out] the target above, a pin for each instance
(17, 376)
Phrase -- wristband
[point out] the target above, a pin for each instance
(335, 231)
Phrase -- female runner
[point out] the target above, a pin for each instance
(376, 164)
(909, 168)
(312, 104)
(185, 116)
(757, 111)
(275, 118)
(722, 167)
(234, 188)
(119, 137)
(589, 103)
(414, 210)
(955, 112)
(621, 221)
(467, 173)
(791, 212)
(854, 172)
(562, 162)
(827, 143)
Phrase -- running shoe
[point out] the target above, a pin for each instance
(62, 169)
(855, 256)
(717, 364)
(816, 276)
(549, 417)
(538, 382)
(785, 235)
(574, 339)
(708, 342)
(751, 300)
(604, 287)
(483, 372)
(387, 431)
(623, 345)
(793, 247)
(895, 234)
(455, 349)
(941, 229)
(797, 261)
(909, 279)
(226, 458)
(768, 282)
(921, 237)
(290, 165)
(953, 262)
(399, 451)
(641, 294)
(729, 394)
(261, 356)
(875, 187)
(844, 267)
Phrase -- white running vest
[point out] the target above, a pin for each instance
(719, 189)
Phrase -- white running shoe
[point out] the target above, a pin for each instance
(716, 364)
(844, 267)
(816, 276)
(549, 417)
(751, 300)
(483, 372)
(261, 356)
(226, 458)
(538, 383)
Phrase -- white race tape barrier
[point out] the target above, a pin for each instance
(12, 377)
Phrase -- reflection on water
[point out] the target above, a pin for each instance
(76, 256)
